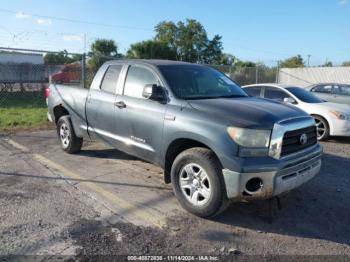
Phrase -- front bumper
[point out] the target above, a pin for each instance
(340, 128)
(273, 182)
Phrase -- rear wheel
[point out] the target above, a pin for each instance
(69, 141)
(198, 184)
(322, 128)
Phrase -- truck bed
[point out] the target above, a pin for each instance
(73, 98)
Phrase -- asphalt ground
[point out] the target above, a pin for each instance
(102, 201)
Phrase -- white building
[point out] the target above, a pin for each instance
(7, 57)
(313, 75)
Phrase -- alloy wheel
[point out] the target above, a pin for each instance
(321, 128)
(195, 184)
(64, 135)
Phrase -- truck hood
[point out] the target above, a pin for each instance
(247, 112)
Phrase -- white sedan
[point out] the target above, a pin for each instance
(331, 119)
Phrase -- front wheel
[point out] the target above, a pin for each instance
(322, 128)
(198, 183)
(66, 135)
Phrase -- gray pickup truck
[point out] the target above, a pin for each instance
(215, 143)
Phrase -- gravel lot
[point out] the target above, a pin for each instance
(44, 212)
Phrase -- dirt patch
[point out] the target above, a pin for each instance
(93, 238)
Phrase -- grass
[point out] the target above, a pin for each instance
(22, 110)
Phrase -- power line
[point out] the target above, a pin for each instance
(15, 37)
(33, 50)
(78, 21)
(119, 26)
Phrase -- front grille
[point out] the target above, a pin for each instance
(291, 140)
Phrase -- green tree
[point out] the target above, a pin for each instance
(293, 62)
(60, 58)
(213, 51)
(192, 40)
(151, 49)
(347, 63)
(167, 32)
(240, 63)
(189, 41)
(227, 59)
(102, 50)
(327, 64)
(104, 47)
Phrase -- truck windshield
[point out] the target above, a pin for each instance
(199, 82)
(304, 95)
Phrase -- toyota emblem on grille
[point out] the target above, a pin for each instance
(303, 139)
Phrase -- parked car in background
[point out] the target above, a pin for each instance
(337, 93)
(215, 143)
(332, 119)
(70, 73)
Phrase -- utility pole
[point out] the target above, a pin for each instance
(83, 70)
(277, 71)
(308, 60)
(84, 43)
(83, 64)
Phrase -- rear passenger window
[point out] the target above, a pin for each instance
(342, 90)
(336, 90)
(136, 80)
(275, 94)
(322, 89)
(345, 90)
(110, 80)
(253, 91)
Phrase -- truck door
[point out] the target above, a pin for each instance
(141, 119)
(342, 94)
(324, 92)
(101, 113)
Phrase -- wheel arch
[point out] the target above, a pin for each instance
(59, 111)
(175, 148)
(328, 123)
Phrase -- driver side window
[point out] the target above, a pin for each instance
(136, 80)
(275, 94)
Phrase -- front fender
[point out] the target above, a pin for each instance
(203, 129)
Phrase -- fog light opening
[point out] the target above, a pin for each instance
(254, 185)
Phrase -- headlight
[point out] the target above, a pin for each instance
(255, 138)
(340, 115)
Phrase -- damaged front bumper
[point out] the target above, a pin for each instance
(264, 185)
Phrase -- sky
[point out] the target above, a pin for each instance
(256, 30)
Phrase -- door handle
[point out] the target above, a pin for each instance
(120, 104)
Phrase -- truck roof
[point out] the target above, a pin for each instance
(155, 62)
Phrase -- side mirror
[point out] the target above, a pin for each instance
(289, 100)
(153, 92)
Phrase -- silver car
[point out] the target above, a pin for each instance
(332, 92)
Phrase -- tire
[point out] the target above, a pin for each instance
(211, 198)
(322, 127)
(70, 143)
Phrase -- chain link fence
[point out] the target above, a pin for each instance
(249, 75)
(22, 85)
(22, 91)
